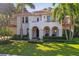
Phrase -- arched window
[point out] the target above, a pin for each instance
(55, 31)
(46, 31)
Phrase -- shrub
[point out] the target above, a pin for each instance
(35, 41)
(18, 37)
(5, 32)
(52, 38)
(76, 31)
(5, 42)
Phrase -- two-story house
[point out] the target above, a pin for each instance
(37, 24)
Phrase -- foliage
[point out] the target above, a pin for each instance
(17, 37)
(41, 49)
(3, 42)
(52, 38)
(5, 32)
(63, 9)
(35, 41)
(76, 28)
(70, 9)
(21, 6)
(76, 32)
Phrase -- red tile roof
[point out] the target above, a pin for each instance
(35, 13)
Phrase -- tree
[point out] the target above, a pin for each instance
(20, 8)
(5, 13)
(70, 9)
(8, 9)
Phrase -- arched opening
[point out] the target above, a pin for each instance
(55, 31)
(35, 32)
(46, 31)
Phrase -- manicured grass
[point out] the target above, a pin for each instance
(18, 47)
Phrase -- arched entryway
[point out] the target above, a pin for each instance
(55, 31)
(46, 31)
(35, 32)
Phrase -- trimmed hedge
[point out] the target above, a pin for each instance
(52, 38)
(5, 42)
(18, 37)
(35, 41)
(59, 39)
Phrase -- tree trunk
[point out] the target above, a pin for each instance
(21, 31)
(72, 28)
(72, 33)
(66, 34)
(21, 26)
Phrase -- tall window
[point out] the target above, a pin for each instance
(22, 19)
(44, 17)
(37, 19)
(26, 19)
(48, 18)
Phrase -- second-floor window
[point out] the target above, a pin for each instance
(22, 19)
(44, 17)
(37, 19)
(48, 18)
(26, 20)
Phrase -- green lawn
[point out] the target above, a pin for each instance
(40, 49)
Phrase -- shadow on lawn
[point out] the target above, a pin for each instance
(57, 49)
(40, 49)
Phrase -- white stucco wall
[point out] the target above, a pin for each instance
(41, 25)
(25, 26)
(32, 21)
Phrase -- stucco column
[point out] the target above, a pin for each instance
(60, 32)
(50, 34)
(41, 34)
(30, 34)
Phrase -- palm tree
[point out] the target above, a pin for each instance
(70, 9)
(20, 8)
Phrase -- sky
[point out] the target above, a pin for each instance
(39, 6)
